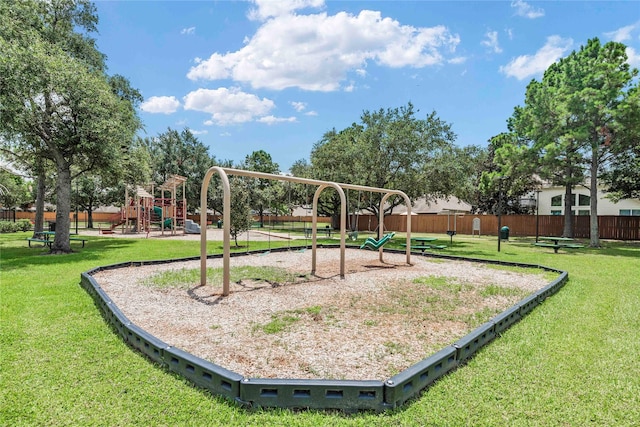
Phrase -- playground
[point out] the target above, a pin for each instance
(379, 320)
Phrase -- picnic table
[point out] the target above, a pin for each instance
(309, 231)
(557, 243)
(424, 243)
(45, 237)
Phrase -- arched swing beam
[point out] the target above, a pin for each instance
(226, 216)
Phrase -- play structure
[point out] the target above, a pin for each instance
(143, 212)
(343, 394)
(320, 187)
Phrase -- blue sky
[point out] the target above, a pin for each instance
(276, 75)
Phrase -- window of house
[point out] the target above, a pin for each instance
(556, 200)
(584, 212)
(584, 200)
(554, 212)
(635, 212)
(629, 212)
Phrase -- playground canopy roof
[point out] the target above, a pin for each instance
(172, 182)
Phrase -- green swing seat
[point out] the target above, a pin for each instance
(374, 244)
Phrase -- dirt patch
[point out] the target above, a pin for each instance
(377, 321)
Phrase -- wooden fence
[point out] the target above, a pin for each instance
(610, 227)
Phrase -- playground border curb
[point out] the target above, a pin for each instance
(345, 395)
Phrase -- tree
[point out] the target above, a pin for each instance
(14, 190)
(388, 149)
(180, 153)
(577, 118)
(240, 214)
(56, 98)
(506, 177)
(265, 192)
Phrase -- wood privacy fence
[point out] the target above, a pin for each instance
(611, 227)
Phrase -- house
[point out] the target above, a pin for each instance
(422, 206)
(551, 202)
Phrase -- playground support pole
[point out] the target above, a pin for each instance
(226, 224)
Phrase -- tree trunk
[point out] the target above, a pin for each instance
(89, 217)
(38, 225)
(593, 192)
(63, 208)
(568, 215)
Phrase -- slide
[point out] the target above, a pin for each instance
(168, 222)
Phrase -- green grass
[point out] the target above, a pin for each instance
(185, 278)
(574, 361)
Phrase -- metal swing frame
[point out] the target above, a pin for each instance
(321, 186)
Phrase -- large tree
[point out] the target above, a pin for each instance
(264, 194)
(389, 149)
(578, 118)
(180, 153)
(56, 98)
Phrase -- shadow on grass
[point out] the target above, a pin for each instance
(21, 257)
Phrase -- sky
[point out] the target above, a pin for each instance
(275, 75)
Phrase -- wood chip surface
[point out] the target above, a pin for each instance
(372, 324)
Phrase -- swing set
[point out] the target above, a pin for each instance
(320, 186)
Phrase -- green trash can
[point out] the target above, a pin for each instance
(219, 224)
(504, 233)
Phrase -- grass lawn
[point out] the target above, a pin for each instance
(573, 361)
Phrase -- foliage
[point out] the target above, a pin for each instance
(12, 227)
(579, 117)
(55, 97)
(241, 218)
(264, 194)
(506, 177)
(180, 153)
(14, 191)
(389, 149)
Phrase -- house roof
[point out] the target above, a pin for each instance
(439, 206)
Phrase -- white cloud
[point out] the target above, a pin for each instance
(491, 41)
(457, 60)
(188, 31)
(633, 57)
(311, 113)
(622, 34)
(298, 106)
(509, 32)
(526, 10)
(199, 132)
(160, 104)
(272, 120)
(316, 52)
(526, 66)
(227, 106)
(269, 8)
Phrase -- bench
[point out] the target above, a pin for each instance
(558, 246)
(49, 242)
(79, 239)
(425, 247)
(43, 241)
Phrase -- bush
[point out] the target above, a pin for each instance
(12, 227)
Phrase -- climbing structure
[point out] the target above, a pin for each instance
(143, 212)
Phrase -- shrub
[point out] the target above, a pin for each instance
(12, 227)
